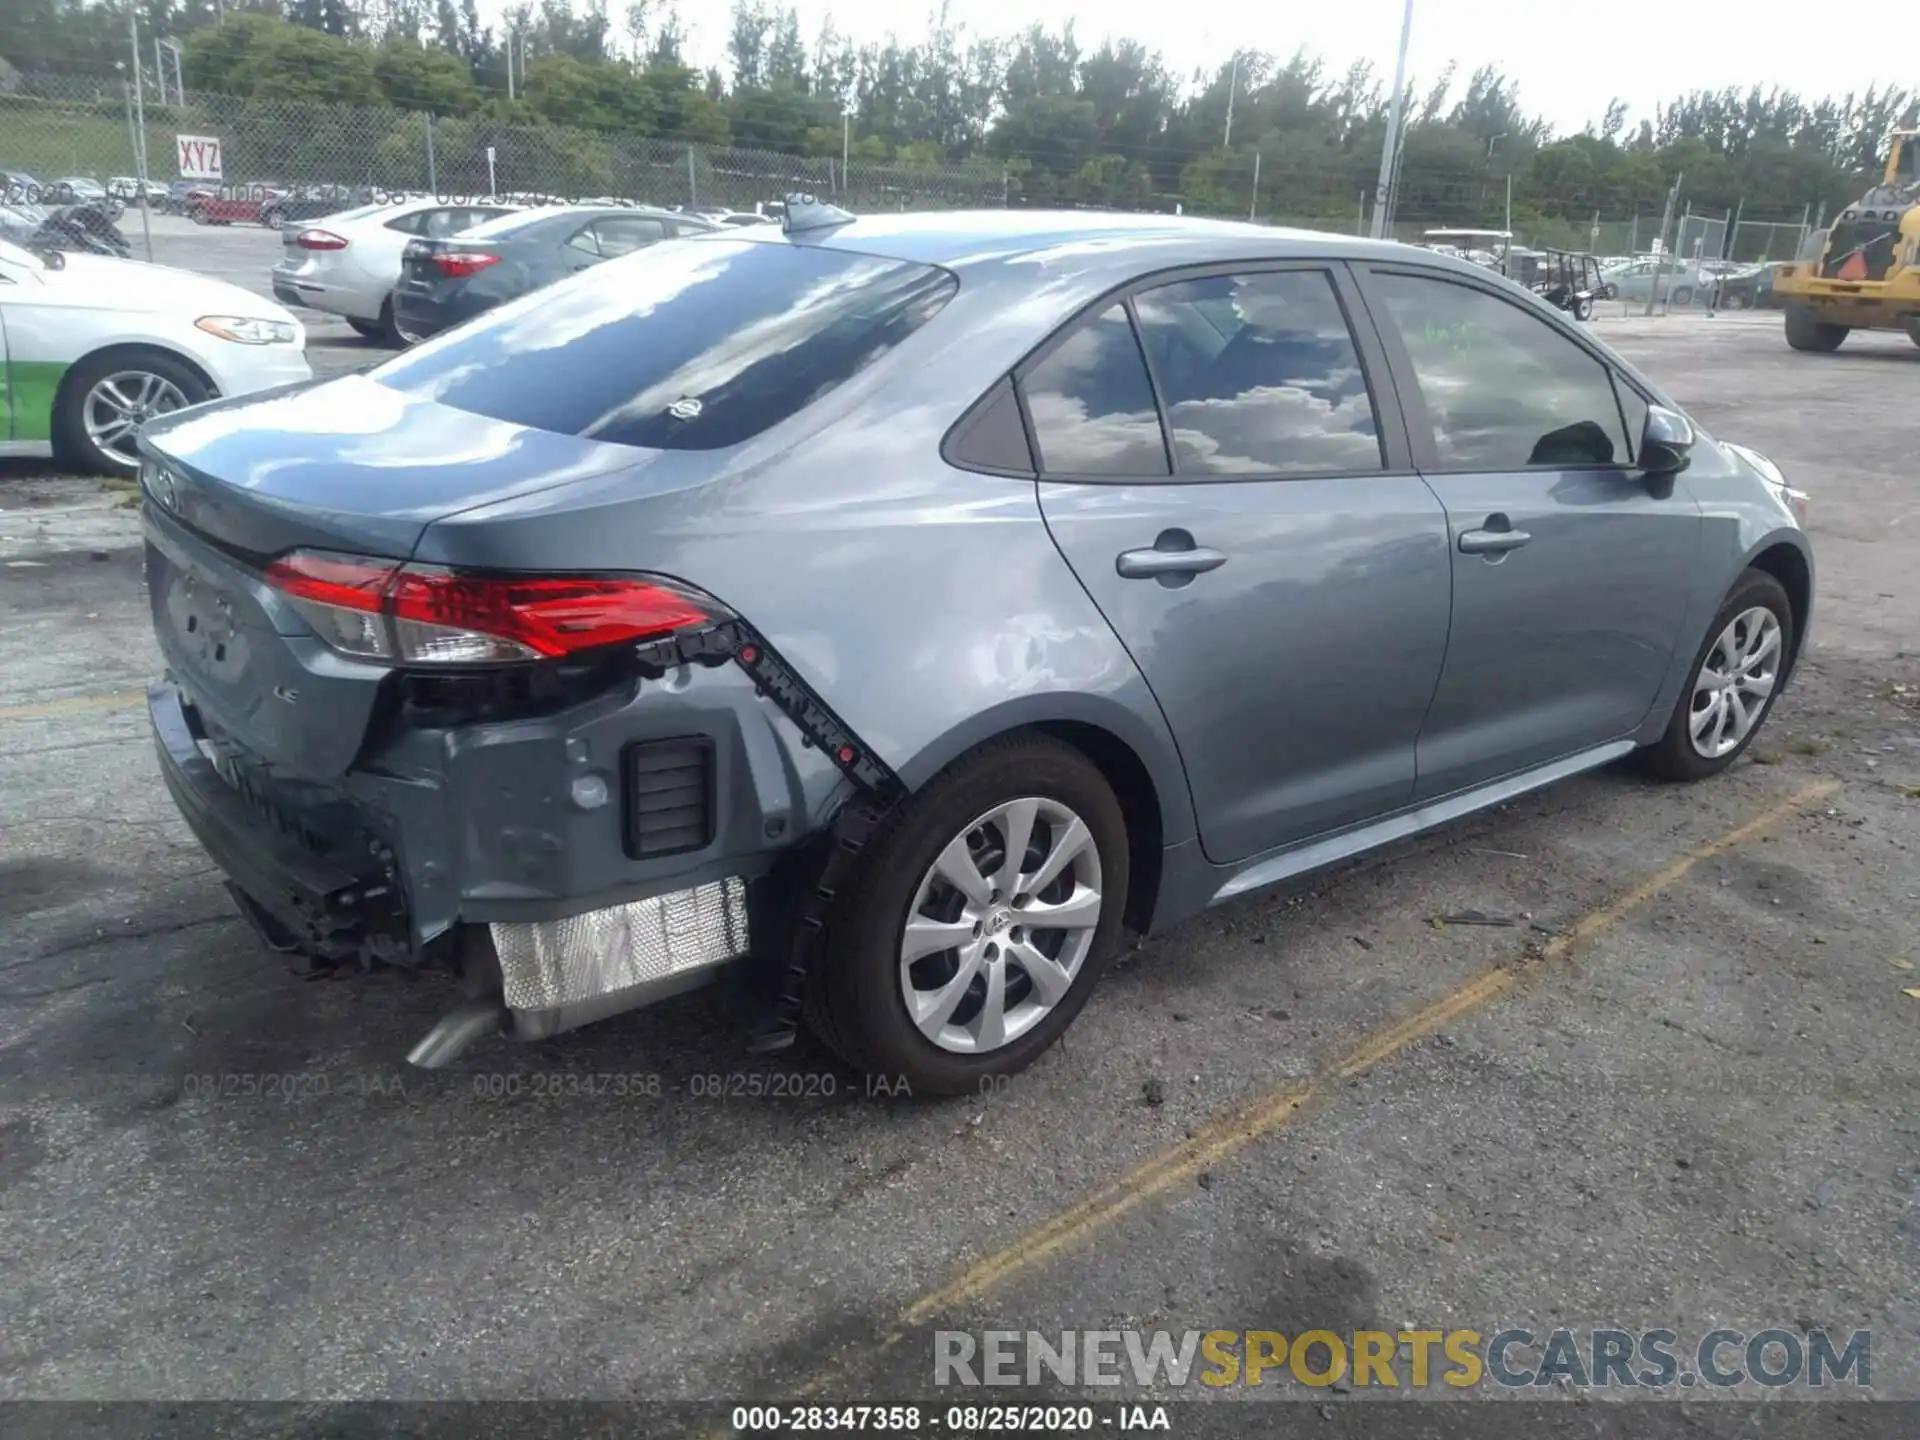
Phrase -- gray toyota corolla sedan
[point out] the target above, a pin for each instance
(886, 613)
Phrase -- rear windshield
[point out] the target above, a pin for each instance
(518, 220)
(686, 345)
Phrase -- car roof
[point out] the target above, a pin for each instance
(1092, 240)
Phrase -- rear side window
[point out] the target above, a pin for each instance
(1091, 403)
(1259, 374)
(683, 347)
(623, 234)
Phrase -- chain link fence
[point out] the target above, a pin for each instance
(54, 127)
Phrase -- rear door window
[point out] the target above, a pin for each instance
(1091, 403)
(623, 234)
(1259, 375)
(689, 347)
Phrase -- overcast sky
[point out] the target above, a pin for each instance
(1569, 59)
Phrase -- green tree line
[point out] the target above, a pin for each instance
(1067, 122)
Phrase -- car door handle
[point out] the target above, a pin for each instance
(1495, 541)
(1159, 561)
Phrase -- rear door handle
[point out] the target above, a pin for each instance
(1165, 560)
(1494, 540)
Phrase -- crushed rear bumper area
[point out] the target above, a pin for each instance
(303, 888)
(571, 865)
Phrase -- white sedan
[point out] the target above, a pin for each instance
(348, 264)
(92, 347)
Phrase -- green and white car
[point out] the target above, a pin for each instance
(91, 347)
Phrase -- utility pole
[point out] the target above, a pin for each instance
(1666, 219)
(1233, 84)
(140, 135)
(1253, 205)
(846, 137)
(1390, 150)
(1509, 209)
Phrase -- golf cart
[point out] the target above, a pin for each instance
(1567, 279)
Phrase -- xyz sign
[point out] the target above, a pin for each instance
(199, 156)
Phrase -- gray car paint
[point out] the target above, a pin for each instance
(932, 608)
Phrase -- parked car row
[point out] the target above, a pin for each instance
(400, 273)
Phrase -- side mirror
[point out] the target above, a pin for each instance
(1665, 441)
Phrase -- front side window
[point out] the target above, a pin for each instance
(689, 347)
(1092, 406)
(1503, 389)
(1259, 375)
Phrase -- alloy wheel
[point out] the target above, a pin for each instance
(117, 406)
(1000, 925)
(1730, 693)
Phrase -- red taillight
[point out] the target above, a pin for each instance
(423, 614)
(320, 240)
(458, 264)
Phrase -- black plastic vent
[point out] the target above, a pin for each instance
(669, 796)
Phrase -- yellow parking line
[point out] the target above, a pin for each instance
(50, 709)
(1268, 1114)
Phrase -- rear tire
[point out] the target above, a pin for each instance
(367, 329)
(387, 329)
(1709, 730)
(1806, 331)
(1583, 307)
(858, 1000)
(1683, 296)
(88, 394)
(1913, 328)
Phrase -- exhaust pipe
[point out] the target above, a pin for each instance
(455, 1032)
(484, 1011)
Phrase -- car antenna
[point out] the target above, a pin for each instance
(803, 212)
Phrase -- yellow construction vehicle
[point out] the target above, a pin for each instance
(1863, 272)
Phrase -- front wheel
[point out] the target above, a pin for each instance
(1806, 331)
(104, 401)
(986, 914)
(1583, 307)
(1683, 296)
(1735, 678)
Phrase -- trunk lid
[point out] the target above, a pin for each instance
(351, 464)
(421, 270)
(261, 683)
(348, 465)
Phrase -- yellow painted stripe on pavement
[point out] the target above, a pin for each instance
(53, 709)
(1268, 1114)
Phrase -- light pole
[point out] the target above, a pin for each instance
(1389, 151)
(1233, 86)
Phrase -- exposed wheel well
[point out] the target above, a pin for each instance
(1789, 567)
(1139, 802)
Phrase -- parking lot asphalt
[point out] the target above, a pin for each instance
(1678, 1089)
